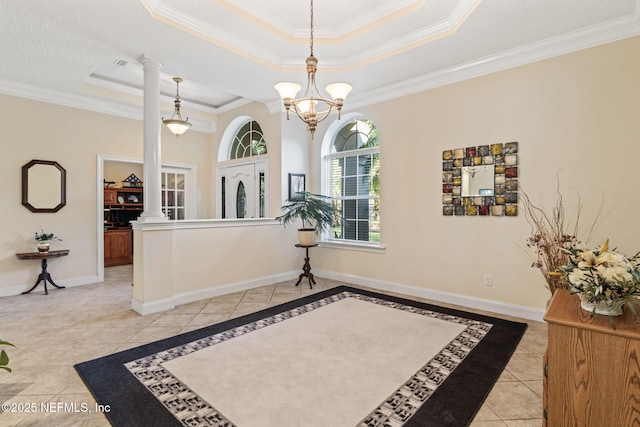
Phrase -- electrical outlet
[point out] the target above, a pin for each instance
(488, 280)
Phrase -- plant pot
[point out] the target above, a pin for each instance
(43, 246)
(602, 307)
(307, 236)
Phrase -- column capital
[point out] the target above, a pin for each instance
(149, 62)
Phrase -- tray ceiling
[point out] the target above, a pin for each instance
(230, 52)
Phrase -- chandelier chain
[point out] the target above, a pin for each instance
(311, 32)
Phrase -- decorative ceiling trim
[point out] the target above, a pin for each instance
(84, 102)
(611, 31)
(395, 46)
(187, 23)
(597, 35)
(361, 23)
(209, 33)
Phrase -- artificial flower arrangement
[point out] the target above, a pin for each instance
(41, 236)
(44, 240)
(605, 280)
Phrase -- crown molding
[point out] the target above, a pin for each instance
(88, 103)
(609, 32)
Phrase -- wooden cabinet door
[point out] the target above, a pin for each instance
(110, 196)
(117, 247)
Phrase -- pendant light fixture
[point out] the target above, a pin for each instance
(312, 108)
(176, 124)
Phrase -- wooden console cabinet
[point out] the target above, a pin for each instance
(118, 247)
(591, 371)
(121, 205)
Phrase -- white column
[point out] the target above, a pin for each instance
(152, 151)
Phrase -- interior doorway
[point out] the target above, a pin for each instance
(178, 195)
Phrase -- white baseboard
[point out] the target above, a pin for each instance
(492, 306)
(152, 307)
(200, 294)
(68, 283)
(187, 297)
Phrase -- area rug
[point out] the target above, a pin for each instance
(341, 357)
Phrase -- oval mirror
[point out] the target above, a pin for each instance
(44, 186)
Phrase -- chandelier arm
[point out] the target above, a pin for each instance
(305, 107)
(317, 116)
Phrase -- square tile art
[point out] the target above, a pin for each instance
(504, 202)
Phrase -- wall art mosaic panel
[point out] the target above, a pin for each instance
(504, 202)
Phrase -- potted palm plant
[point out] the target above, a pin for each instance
(315, 211)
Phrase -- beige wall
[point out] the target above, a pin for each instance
(74, 138)
(578, 114)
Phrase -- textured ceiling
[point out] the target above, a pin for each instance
(85, 53)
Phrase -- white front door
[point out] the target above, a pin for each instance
(240, 191)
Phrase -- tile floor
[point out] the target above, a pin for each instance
(56, 331)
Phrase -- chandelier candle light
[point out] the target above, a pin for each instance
(307, 107)
(176, 124)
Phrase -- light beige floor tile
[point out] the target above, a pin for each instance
(514, 401)
(485, 414)
(173, 320)
(78, 324)
(155, 333)
(524, 423)
(526, 366)
(494, 423)
(206, 319)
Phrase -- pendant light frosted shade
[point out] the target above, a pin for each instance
(339, 90)
(288, 90)
(176, 124)
(178, 127)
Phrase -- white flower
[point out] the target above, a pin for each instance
(615, 274)
(612, 259)
(577, 276)
(586, 259)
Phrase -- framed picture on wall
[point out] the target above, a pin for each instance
(296, 185)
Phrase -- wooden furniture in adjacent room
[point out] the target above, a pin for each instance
(121, 205)
(44, 275)
(118, 247)
(591, 370)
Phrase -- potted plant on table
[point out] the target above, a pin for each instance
(45, 239)
(315, 211)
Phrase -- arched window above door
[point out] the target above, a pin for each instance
(248, 141)
(242, 173)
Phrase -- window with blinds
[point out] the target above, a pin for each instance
(353, 171)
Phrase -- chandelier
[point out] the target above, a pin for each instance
(312, 108)
(175, 123)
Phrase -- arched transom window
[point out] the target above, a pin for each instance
(248, 141)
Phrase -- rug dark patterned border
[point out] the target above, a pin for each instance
(191, 410)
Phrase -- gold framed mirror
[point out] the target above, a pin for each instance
(44, 186)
